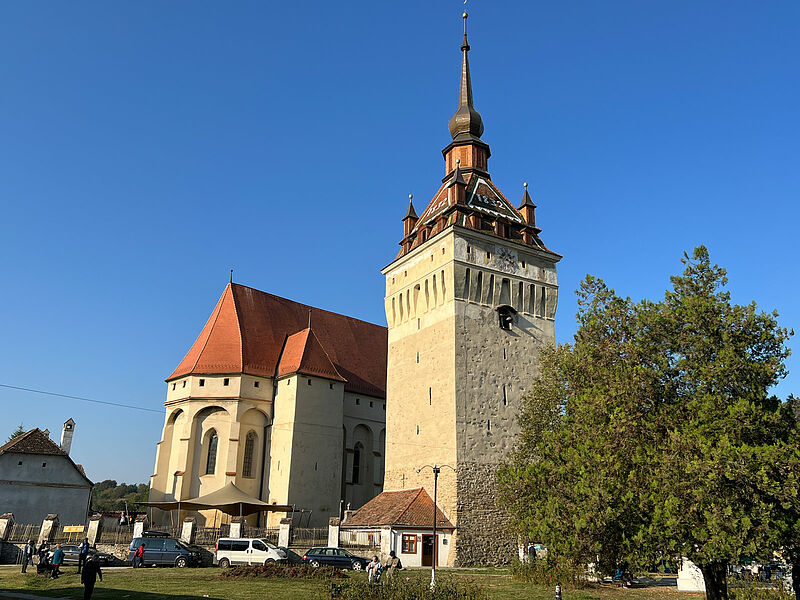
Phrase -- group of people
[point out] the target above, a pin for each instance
(52, 559)
(375, 568)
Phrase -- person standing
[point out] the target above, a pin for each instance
(392, 564)
(91, 571)
(44, 548)
(58, 559)
(27, 555)
(83, 553)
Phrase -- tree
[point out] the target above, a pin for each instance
(660, 436)
(16, 433)
(107, 495)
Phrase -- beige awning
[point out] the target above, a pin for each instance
(229, 499)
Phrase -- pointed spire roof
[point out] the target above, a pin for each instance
(410, 213)
(466, 124)
(526, 198)
(458, 177)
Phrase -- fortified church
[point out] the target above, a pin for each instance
(299, 406)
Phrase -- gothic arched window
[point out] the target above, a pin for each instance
(357, 462)
(249, 450)
(211, 461)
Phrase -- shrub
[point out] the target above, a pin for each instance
(282, 571)
(760, 593)
(400, 588)
(550, 571)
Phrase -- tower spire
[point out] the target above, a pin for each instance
(466, 123)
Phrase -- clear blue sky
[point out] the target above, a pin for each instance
(148, 147)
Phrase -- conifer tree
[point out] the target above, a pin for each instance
(655, 435)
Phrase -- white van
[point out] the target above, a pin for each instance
(247, 551)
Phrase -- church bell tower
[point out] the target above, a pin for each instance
(470, 299)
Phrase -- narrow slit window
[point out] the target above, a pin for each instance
(430, 396)
(505, 397)
(249, 450)
(211, 459)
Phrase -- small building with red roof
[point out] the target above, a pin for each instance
(403, 520)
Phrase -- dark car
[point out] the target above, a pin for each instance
(71, 555)
(165, 551)
(334, 557)
(292, 558)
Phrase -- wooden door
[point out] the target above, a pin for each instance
(428, 549)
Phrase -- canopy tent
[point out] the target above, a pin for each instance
(228, 499)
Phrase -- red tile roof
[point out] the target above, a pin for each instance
(249, 330)
(403, 508)
(303, 353)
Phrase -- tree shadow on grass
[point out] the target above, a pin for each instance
(102, 593)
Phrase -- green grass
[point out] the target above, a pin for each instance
(185, 584)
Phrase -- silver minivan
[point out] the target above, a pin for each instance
(247, 551)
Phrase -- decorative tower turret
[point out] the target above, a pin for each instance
(470, 299)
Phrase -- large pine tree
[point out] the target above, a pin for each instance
(655, 434)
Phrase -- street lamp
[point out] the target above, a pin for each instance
(436, 470)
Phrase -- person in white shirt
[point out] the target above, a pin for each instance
(374, 570)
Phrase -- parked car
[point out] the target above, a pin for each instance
(165, 551)
(247, 551)
(71, 555)
(334, 557)
(292, 558)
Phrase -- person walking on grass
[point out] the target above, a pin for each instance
(91, 571)
(83, 553)
(58, 560)
(27, 555)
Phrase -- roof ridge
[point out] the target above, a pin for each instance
(13, 441)
(324, 351)
(239, 328)
(330, 312)
(210, 329)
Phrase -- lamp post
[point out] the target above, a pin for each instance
(436, 470)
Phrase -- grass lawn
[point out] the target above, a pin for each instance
(185, 584)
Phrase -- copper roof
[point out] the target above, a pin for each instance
(403, 508)
(257, 333)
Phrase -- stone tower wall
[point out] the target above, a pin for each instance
(466, 389)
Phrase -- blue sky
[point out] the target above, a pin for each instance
(149, 147)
